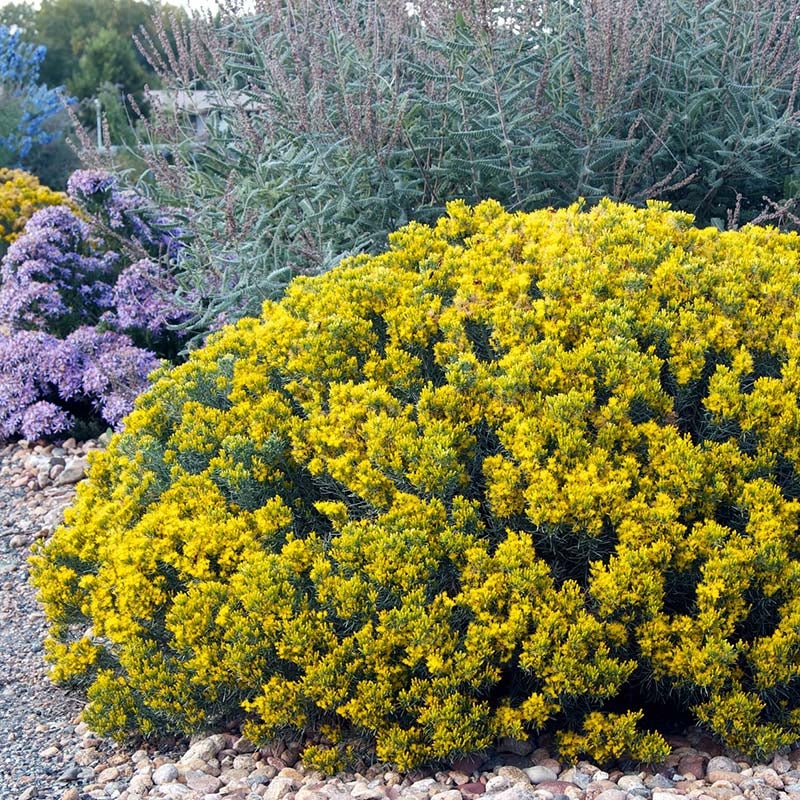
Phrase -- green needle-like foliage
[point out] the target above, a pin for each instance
(334, 123)
(519, 473)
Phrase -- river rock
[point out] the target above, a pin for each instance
(722, 764)
(166, 773)
(514, 774)
(74, 471)
(204, 749)
(278, 788)
(539, 774)
(714, 775)
(519, 791)
(612, 794)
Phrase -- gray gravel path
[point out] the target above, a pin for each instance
(36, 718)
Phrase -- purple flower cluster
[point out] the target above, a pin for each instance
(143, 297)
(82, 323)
(85, 184)
(46, 382)
(23, 384)
(52, 276)
(125, 212)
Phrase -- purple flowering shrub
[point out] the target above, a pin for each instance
(53, 278)
(47, 384)
(123, 215)
(143, 296)
(86, 311)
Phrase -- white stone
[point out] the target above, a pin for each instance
(661, 794)
(166, 773)
(362, 791)
(722, 764)
(540, 774)
(204, 749)
(497, 783)
(425, 785)
(278, 788)
(448, 794)
(74, 471)
(519, 791)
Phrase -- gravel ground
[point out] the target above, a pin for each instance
(46, 753)
(37, 720)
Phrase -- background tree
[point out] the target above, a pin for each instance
(90, 44)
(17, 15)
(26, 104)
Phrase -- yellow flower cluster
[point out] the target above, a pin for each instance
(519, 469)
(21, 195)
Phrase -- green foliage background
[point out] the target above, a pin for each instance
(333, 125)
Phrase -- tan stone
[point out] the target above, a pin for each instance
(449, 794)
(724, 764)
(278, 788)
(244, 745)
(291, 772)
(202, 782)
(140, 784)
(205, 748)
(596, 788)
(304, 793)
(769, 776)
(715, 775)
(723, 790)
(612, 794)
(513, 774)
(108, 774)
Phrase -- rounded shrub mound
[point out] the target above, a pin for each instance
(523, 472)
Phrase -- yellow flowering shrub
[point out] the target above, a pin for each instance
(521, 472)
(21, 195)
